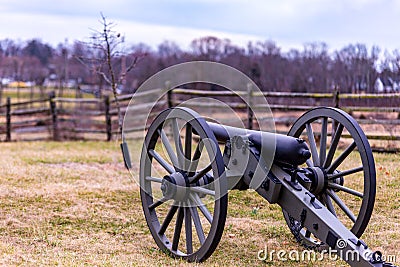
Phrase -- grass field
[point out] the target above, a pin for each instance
(74, 204)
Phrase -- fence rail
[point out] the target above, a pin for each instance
(59, 118)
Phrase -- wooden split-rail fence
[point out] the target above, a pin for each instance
(57, 118)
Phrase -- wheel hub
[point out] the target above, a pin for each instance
(338, 180)
(174, 186)
(319, 180)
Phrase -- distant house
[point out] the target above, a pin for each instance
(51, 81)
(386, 85)
(6, 81)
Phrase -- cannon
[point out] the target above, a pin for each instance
(322, 175)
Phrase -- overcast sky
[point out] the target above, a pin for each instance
(290, 23)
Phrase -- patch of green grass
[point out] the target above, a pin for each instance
(75, 152)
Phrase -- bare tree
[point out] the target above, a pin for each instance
(109, 60)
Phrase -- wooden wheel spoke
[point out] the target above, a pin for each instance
(154, 179)
(345, 189)
(345, 173)
(197, 224)
(200, 174)
(313, 145)
(170, 169)
(334, 144)
(157, 203)
(341, 158)
(178, 143)
(188, 230)
(188, 141)
(202, 207)
(196, 157)
(341, 205)
(178, 229)
(328, 203)
(168, 219)
(188, 146)
(169, 148)
(322, 145)
(202, 190)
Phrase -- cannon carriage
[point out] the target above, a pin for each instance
(188, 166)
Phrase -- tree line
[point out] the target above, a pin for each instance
(352, 69)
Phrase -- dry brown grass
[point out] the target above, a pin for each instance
(73, 204)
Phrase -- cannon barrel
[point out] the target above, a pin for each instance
(288, 150)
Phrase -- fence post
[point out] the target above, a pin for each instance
(1, 92)
(8, 120)
(108, 117)
(169, 94)
(53, 110)
(250, 113)
(336, 105)
(336, 98)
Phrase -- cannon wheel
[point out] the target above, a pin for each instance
(341, 150)
(183, 185)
